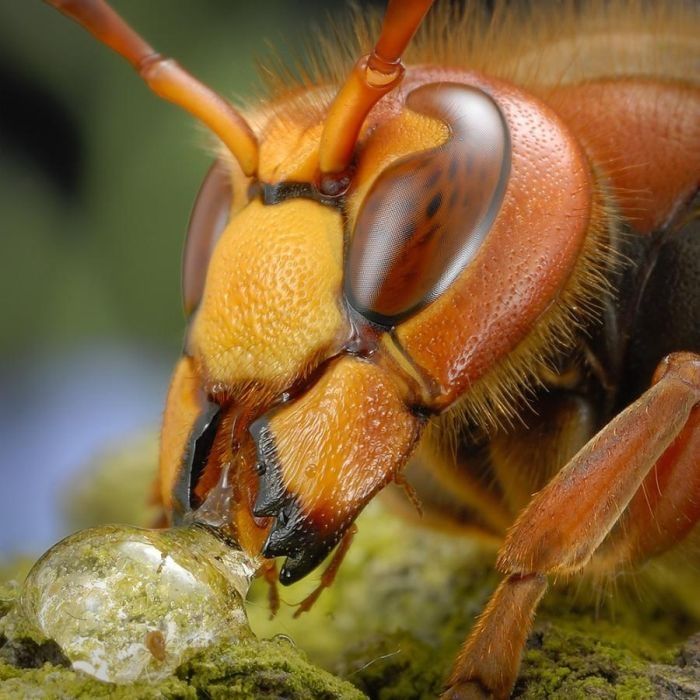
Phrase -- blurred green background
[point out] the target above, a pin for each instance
(97, 177)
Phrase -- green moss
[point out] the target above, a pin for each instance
(7, 598)
(396, 578)
(563, 662)
(397, 639)
(249, 669)
(52, 682)
(392, 667)
(255, 670)
(406, 599)
(403, 603)
(262, 670)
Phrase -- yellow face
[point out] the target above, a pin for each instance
(310, 411)
(327, 327)
(271, 309)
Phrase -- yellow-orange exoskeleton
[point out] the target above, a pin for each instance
(478, 272)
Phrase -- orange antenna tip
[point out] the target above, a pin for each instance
(372, 77)
(166, 78)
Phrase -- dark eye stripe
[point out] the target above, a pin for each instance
(208, 219)
(411, 240)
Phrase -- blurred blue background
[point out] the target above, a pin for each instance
(97, 177)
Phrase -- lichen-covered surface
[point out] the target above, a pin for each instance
(407, 597)
(262, 670)
(390, 626)
(32, 667)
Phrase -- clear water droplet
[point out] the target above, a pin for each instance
(124, 603)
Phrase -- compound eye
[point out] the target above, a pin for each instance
(426, 216)
(208, 219)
